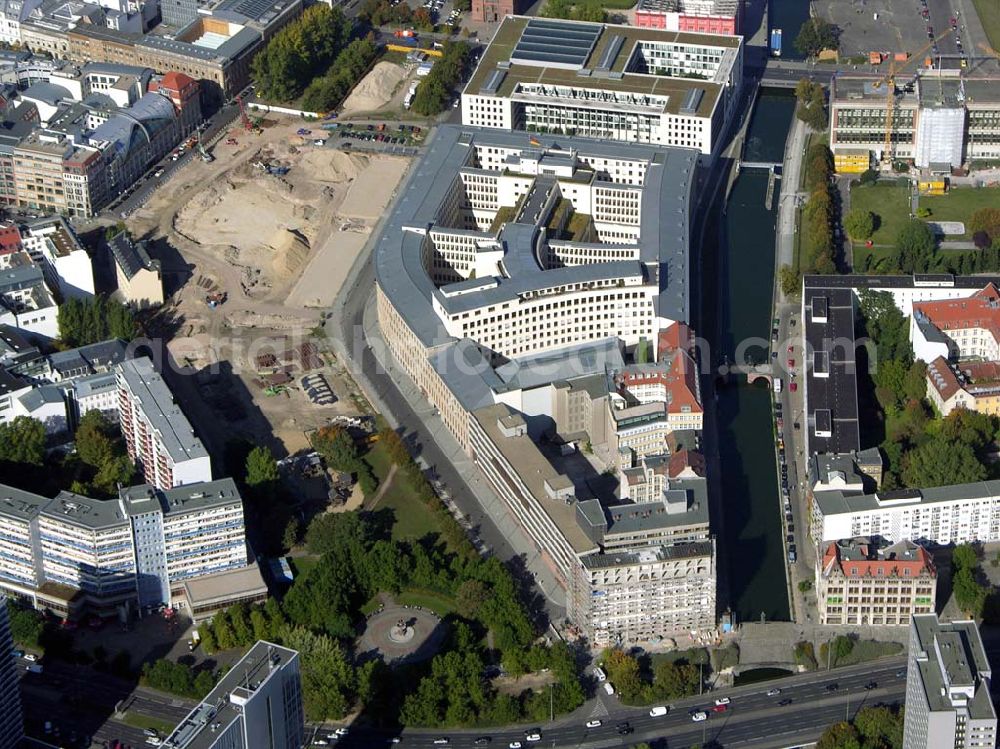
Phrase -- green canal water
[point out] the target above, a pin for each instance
(737, 289)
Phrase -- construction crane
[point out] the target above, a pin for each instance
(890, 81)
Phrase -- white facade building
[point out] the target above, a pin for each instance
(53, 245)
(137, 549)
(963, 513)
(157, 433)
(948, 676)
(611, 82)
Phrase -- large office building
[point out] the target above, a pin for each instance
(635, 571)
(257, 703)
(158, 435)
(948, 703)
(619, 83)
(869, 582)
(11, 717)
(940, 118)
(71, 552)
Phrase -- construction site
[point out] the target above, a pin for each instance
(255, 242)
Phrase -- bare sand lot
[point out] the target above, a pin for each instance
(376, 89)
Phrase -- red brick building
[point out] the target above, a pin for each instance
(492, 10)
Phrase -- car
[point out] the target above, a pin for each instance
(791, 362)
(901, 674)
(535, 735)
(790, 539)
(719, 708)
(482, 741)
(659, 711)
(608, 689)
(442, 741)
(699, 716)
(790, 528)
(17, 653)
(832, 687)
(341, 732)
(30, 657)
(773, 692)
(625, 730)
(793, 387)
(514, 745)
(723, 701)
(320, 742)
(784, 703)
(594, 724)
(150, 732)
(871, 685)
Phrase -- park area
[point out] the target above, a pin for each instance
(989, 16)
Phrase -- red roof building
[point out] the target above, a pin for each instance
(863, 582)
(971, 325)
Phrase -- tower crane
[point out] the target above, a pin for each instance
(890, 84)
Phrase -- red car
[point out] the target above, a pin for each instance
(719, 708)
(793, 387)
(791, 349)
(791, 362)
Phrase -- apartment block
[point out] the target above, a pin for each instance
(257, 703)
(11, 717)
(948, 678)
(867, 582)
(158, 435)
(54, 246)
(974, 385)
(639, 85)
(139, 276)
(962, 513)
(52, 174)
(25, 301)
(72, 553)
(967, 328)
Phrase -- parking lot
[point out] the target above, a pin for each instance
(900, 26)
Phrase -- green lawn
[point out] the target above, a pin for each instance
(889, 202)
(136, 720)
(960, 203)
(302, 565)
(869, 650)
(989, 15)
(439, 604)
(413, 518)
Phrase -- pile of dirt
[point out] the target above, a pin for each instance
(375, 89)
(289, 251)
(328, 165)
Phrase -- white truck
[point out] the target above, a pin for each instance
(777, 384)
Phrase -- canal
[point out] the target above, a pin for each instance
(788, 15)
(738, 279)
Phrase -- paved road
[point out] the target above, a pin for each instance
(752, 719)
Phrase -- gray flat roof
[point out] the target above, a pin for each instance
(19, 504)
(647, 556)
(951, 655)
(84, 511)
(832, 400)
(838, 502)
(163, 413)
(203, 725)
(181, 499)
(928, 280)
(663, 229)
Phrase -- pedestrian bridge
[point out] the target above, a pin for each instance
(753, 372)
(760, 165)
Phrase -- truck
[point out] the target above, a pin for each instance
(404, 34)
(777, 384)
(776, 42)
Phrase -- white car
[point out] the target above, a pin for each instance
(533, 737)
(699, 716)
(599, 673)
(514, 745)
(610, 690)
(658, 711)
(30, 657)
(723, 701)
(341, 732)
(594, 724)
(773, 692)
(442, 741)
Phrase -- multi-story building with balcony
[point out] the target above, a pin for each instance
(948, 676)
(698, 16)
(867, 582)
(158, 435)
(638, 85)
(74, 552)
(11, 717)
(957, 514)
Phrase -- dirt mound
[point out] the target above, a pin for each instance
(376, 89)
(331, 165)
(289, 251)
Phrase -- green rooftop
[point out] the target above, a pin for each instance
(498, 56)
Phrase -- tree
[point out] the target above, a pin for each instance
(433, 93)
(859, 224)
(118, 471)
(623, 671)
(26, 626)
(839, 736)
(985, 221)
(964, 556)
(842, 647)
(940, 462)
(203, 683)
(334, 443)
(590, 10)
(805, 586)
(817, 35)
(675, 680)
(970, 595)
(811, 106)
(915, 245)
(788, 279)
(22, 441)
(880, 726)
(328, 679)
(94, 444)
(262, 468)
(471, 596)
(292, 532)
(84, 321)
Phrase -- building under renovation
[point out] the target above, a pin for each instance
(940, 118)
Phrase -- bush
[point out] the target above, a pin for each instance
(727, 657)
(859, 224)
(805, 655)
(805, 586)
